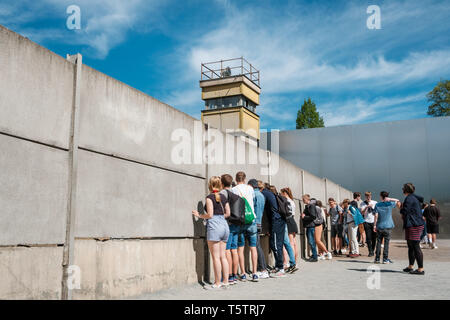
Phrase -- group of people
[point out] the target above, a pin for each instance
(353, 224)
(228, 236)
(356, 223)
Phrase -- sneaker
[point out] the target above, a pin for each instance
(292, 269)
(387, 261)
(354, 255)
(335, 252)
(242, 277)
(407, 270)
(212, 287)
(329, 256)
(434, 246)
(264, 275)
(231, 280)
(418, 272)
(279, 274)
(312, 259)
(340, 252)
(255, 277)
(321, 257)
(377, 261)
(371, 254)
(225, 286)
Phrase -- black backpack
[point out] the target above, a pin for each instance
(237, 209)
(283, 207)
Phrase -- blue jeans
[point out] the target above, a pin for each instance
(277, 235)
(311, 241)
(288, 247)
(424, 233)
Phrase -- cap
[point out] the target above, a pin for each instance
(253, 183)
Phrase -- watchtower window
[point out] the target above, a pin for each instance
(230, 102)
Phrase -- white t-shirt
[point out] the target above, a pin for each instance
(292, 204)
(368, 216)
(247, 192)
(324, 216)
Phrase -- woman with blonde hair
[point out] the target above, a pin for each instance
(217, 210)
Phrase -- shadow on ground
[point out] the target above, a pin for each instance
(381, 270)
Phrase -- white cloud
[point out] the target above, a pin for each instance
(104, 23)
(308, 49)
(358, 110)
(298, 53)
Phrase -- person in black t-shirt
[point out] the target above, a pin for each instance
(432, 215)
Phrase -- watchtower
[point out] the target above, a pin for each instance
(230, 89)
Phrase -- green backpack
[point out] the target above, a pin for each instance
(249, 215)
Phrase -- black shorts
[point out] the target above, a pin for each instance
(337, 230)
(432, 228)
(291, 225)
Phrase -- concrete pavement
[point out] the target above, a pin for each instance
(340, 278)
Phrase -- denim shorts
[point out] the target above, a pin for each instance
(249, 232)
(232, 242)
(217, 229)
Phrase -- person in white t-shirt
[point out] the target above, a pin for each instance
(249, 231)
(367, 209)
(291, 225)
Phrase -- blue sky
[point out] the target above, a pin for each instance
(317, 49)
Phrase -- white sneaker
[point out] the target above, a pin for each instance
(329, 256)
(278, 274)
(344, 251)
(212, 287)
(434, 246)
(225, 286)
(321, 257)
(264, 275)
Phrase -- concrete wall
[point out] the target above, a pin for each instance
(33, 192)
(36, 91)
(121, 201)
(379, 156)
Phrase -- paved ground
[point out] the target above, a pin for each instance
(340, 278)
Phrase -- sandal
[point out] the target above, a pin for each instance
(408, 270)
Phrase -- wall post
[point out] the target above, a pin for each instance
(68, 255)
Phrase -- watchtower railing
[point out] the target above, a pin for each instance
(229, 68)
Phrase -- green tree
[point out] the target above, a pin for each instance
(308, 116)
(440, 99)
